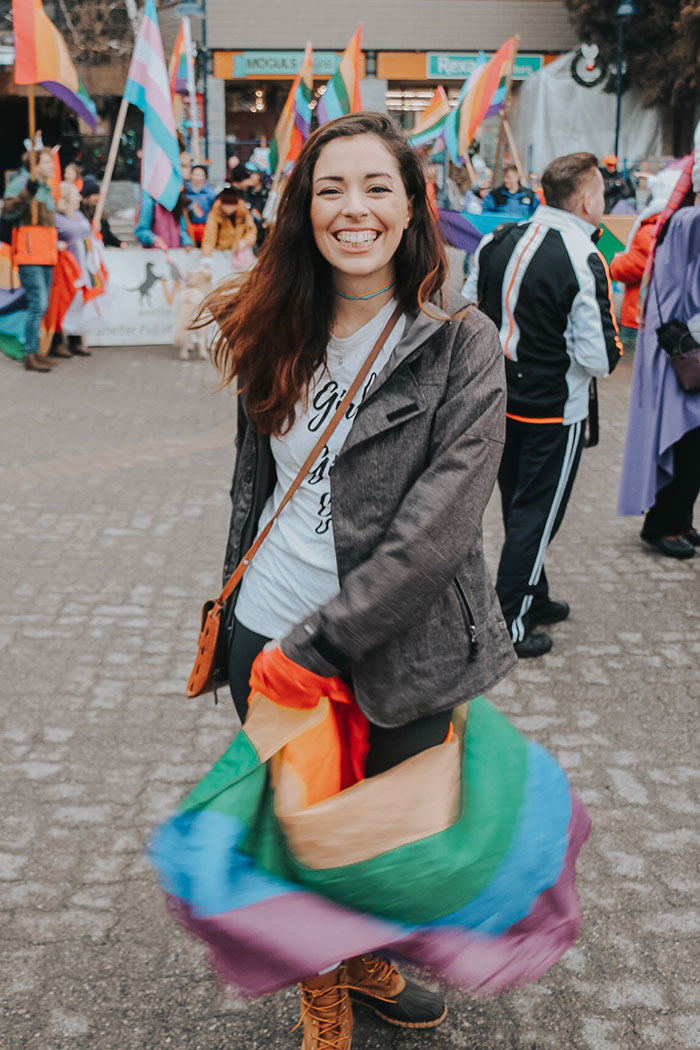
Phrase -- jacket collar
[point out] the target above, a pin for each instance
(420, 327)
(557, 219)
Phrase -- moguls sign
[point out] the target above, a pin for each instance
(282, 63)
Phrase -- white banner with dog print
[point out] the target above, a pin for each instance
(145, 286)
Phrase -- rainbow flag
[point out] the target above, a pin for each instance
(147, 87)
(41, 57)
(178, 67)
(294, 124)
(342, 94)
(462, 859)
(432, 120)
(482, 95)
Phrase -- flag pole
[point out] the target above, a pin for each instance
(109, 167)
(504, 116)
(514, 149)
(31, 98)
(194, 121)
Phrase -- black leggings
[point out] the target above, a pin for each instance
(387, 747)
(672, 513)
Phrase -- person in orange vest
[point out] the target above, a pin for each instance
(35, 246)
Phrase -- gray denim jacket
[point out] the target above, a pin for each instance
(417, 624)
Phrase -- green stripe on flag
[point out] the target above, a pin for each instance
(239, 761)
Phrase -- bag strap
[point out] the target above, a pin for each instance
(238, 572)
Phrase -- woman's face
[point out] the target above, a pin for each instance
(359, 209)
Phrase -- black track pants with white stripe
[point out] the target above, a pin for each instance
(537, 474)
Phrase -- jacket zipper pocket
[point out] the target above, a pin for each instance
(469, 619)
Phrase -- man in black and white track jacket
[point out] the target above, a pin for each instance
(546, 287)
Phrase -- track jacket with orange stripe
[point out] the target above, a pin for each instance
(547, 289)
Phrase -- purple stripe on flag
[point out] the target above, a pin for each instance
(273, 943)
(71, 99)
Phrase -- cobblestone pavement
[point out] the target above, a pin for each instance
(114, 474)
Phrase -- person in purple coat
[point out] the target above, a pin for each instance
(661, 468)
(74, 230)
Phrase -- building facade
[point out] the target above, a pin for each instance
(410, 46)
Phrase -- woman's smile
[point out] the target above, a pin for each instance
(357, 240)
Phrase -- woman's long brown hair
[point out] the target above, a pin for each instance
(275, 323)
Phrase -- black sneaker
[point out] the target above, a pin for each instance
(532, 645)
(549, 612)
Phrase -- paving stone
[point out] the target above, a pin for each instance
(115, 476)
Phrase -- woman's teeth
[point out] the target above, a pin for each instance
(363, 237)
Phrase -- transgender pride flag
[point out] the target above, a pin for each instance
(148, 88)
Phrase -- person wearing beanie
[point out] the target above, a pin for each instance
(230, 227)
(661, 466)
(90, 195)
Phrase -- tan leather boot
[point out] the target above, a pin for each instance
(375, 983)
(34, 363)
(326, 1012)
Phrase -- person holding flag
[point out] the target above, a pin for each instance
(41, 57)
(370, 428)
(30, 207)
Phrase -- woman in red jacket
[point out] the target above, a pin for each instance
(628, 266)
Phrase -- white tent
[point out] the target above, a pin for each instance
(553, 115)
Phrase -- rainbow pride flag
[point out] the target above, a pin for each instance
(41, 57)
(148, 88)
(462, 859)
(342, 94)
(482, 95)
(294, 124)
(178, 67)
(432, 120)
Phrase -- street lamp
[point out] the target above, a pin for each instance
(624, 10)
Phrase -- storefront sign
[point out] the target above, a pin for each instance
(143, 290)
(458, 67)
(261, 64)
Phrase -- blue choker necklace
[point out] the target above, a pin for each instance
(370, 295)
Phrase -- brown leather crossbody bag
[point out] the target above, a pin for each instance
(202, 672)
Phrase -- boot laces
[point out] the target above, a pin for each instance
(328, 1014)
(379, 968)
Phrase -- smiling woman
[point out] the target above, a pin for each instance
(371, 422)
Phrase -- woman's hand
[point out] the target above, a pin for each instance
(158, 242)
(270, 646)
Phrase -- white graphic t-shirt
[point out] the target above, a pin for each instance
(295, 570)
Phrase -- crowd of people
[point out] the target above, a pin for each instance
(556, 323)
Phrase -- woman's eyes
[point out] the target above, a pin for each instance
(334, 191)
